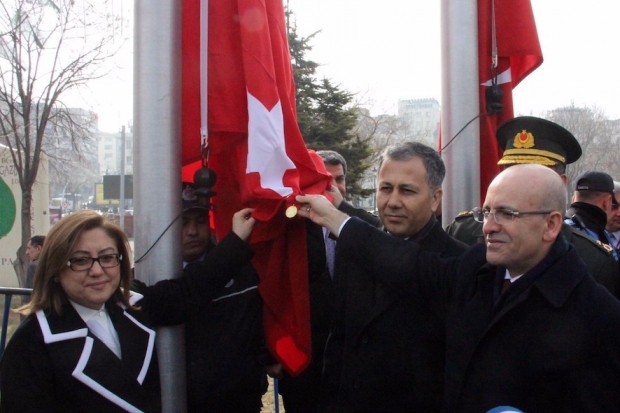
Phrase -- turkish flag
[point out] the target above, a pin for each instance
(519, 53)
(257, 152)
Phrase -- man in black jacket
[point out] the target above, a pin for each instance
(592, 203)
(526, 325)
(300, 394)
(224, 342)
(386, 352)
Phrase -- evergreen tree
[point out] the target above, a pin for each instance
(325, 115)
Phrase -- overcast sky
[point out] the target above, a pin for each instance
(391, 49)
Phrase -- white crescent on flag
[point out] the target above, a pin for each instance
(266, 146)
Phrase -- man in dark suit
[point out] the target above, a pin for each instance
(336, 165)
(386, 352)
(33, 249)
(613, 220)
(531, 140)
(526, 325)
(300, 394)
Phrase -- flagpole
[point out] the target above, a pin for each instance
(157, 172)
(459, 39)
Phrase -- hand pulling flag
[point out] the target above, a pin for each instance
(518, 54)
(257, 152)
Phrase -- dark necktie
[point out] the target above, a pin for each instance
(505, 284)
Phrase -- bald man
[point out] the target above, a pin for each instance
(526, 325)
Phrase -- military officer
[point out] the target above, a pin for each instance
(531, 140)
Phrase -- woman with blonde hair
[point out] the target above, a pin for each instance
(87, 342)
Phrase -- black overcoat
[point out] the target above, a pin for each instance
(386, 351)
(550, 343)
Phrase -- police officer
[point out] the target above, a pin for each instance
(531, 140)
(593, 201)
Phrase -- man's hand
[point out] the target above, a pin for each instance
(321, 211)
(243, 223)
(333, 191)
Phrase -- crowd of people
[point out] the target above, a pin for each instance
(513, 306)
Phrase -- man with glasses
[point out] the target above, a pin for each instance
(531, 140)
(547, 342)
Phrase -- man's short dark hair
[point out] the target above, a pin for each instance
(37, 240)
(435, 168)
(333, 158)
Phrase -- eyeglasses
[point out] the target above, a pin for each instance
(503, 216)
(86, 263)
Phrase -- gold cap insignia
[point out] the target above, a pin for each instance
(524, 139)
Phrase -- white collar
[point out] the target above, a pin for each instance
(512, 279)
(88, 313)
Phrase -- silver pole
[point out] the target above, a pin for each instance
(121, 207)
(459, 38)
(157, 173)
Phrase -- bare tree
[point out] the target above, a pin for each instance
(597, 135)
(47, 49)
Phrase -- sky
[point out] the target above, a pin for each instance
(390, 50)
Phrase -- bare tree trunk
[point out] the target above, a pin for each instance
(21, 262)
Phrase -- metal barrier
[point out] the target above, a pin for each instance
(8, 296)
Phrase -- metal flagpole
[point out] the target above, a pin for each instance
(459, 39)
(157, 173)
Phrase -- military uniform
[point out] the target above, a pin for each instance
(466, 229)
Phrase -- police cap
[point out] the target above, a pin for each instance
(597, 182)
(192, 200)
(531, 140)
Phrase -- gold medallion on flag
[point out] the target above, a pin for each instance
(291, 211)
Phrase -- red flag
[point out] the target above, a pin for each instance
(519, 53)
(257, 152)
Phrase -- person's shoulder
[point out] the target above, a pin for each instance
(464, 219)
(360, 213)
(29, 332)
(464, 215)
(465, 228)
(582, 241)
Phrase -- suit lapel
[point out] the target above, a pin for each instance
(137, 341)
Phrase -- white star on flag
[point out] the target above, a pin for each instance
(266, 147)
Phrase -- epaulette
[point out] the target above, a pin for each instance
(464, 214)
(600, 245)
(607, 247)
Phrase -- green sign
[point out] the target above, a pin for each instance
(7, 209)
